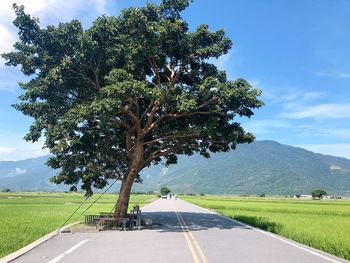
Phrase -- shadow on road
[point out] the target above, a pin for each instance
(168, 222)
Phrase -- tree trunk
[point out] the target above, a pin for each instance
(121, 207)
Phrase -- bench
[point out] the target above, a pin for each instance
(115, 220)
(90, 219)
(134, 219)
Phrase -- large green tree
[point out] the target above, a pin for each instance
(129, 92)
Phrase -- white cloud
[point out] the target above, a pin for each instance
(19, 171)
(4, 150)
(264, 126)
(343, 75)
(333, 132)
(15, 172)
(321, 112)
(14, 148)
(49, 12)
(332, 74)
(285, 95)
(341, 150)
(223, 61)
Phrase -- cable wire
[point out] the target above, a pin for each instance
(73, 213)
(88, 206)
(95, 201)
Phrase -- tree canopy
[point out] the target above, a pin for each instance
(318, 194)
(127, 93)
(164, 190)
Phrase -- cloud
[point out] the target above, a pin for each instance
(332, 74)
(286, 95)
(49, 12)
(222, 62)
(333, 132)
(264, 126)
(321, 112)
(341, 150)
(14, 148)
(19, 171)
(4, 150)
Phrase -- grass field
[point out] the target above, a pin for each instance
(25, 217)
(317, 223)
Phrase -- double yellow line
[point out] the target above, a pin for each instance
(187, 233)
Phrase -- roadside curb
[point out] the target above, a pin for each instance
(36, 243)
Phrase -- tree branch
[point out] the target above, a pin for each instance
(176, 115)
(133, 117)
(145, 112)
(155, 70)
(174, 136)
(151, 116)
(85, 78)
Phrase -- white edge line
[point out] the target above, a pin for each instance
(269, 234)
(59, 257)
(29, 247)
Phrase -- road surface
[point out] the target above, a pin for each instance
(182, 232)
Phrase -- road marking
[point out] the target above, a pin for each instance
(194, 241)
(194, 255)
(183, 223)
(271, 235)
(59, 257)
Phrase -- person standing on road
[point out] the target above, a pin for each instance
(175, 196)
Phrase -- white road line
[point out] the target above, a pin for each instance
(58, 258)
(271, 235)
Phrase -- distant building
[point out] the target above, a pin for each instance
(304, 197)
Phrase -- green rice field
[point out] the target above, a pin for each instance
(322, 224)
(25, 217)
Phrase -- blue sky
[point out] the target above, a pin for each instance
(296, 52)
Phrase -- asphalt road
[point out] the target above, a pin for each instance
(182, 232)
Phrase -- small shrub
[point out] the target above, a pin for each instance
(202, 194)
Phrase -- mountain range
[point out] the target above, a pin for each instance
(260, 167)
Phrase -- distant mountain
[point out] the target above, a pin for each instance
(30, 174)
(260, 167)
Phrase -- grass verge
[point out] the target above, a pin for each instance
(25, 217)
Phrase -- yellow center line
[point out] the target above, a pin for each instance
(182, 221)
(194, 255)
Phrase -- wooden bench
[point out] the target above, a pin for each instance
(90, 219)
(116, 220)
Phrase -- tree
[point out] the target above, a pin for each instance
(165, 190)
(318, 194)
(131, 91)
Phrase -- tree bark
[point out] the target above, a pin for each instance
(121, 207)
(122, 204)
